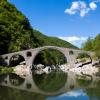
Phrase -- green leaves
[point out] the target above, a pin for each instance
(93, 45)
(15, 30)
(17, 34)
(88, 45)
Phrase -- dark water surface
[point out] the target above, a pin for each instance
(53, 86)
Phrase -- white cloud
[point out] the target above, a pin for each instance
(81, 8)
(83, 12)
(93, 5)
(73, 38)
(78, 41)
(69, 11)
(75, 6)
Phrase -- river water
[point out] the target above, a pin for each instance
(53, 86)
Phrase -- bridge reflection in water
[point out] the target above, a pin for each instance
(51, 84)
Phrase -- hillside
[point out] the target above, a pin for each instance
(52, 41)
(17, 34)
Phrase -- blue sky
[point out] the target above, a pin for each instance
(71, 20)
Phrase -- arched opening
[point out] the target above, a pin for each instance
(17, 60)
(2, 62)
(29, 54)
(49, 58)
(15, 80)
(6, 57)
(71, 52)
(84, 58)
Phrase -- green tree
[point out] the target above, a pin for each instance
(96, 45)
(88, 45)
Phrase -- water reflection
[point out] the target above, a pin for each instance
(15, 80)
(51, 82)
(83, 82)
(46, 84)
(72, 95)
(53, 86)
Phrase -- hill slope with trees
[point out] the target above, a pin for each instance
(17, 34)
(93, 45)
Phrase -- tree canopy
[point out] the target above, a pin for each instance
(93, 45)
(17, 34)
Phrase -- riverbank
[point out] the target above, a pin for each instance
(88, 69)
(85, 70)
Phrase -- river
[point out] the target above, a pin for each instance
(52, 86)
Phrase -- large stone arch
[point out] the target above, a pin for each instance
(49, 47)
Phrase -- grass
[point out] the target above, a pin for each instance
(5, 70)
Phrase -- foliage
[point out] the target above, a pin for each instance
(96, 44)
(44, 40)
(88, 45)
(17, 34)
(93, 45)
(5, 70)
(15, 30)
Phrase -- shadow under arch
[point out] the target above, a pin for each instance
(50, 49)
(15, 80)
(16, 60)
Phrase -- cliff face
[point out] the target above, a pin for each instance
(17, 34)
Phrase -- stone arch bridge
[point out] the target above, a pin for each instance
(29, 55)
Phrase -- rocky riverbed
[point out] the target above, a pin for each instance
(87, 69)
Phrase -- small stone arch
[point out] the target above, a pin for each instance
(6, 58)
(29, 54)
(16, 59)
(71, 52)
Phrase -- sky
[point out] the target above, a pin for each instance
(70, 20)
